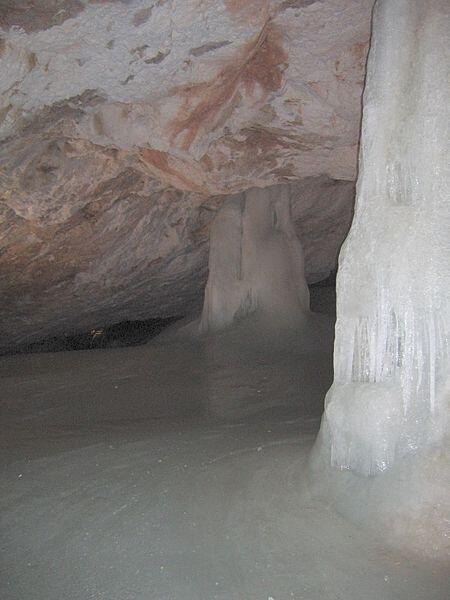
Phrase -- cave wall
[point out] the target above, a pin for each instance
(135, 252)
(123, 125)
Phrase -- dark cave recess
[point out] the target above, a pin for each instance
(136, 333)
(125, 333)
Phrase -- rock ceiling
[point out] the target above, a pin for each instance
(124, 122)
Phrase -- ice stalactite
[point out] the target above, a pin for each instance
(392, 350)
(256, 264)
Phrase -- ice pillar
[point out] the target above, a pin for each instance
(392, 354)
(256, 264)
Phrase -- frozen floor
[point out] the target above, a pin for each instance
(176, 471)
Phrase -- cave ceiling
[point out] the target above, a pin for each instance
(124, 123)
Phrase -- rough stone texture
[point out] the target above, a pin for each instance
(123, 122)
(135, 250)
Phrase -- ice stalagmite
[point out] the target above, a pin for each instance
(256, 264)
(392, 350)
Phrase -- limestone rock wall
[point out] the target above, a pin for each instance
(123, 124)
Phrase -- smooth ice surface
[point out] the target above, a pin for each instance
(392, 351)
(256, 263)
(176, 471)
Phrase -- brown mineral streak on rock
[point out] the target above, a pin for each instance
(248, 10)
(3, 113)
(359, 50)
(259, 138)
(260, 62)
(161, 162)
(32, 60)
(296, 4)
(142, 16)
(208, 48)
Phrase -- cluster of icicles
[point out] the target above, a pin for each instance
(392, 351)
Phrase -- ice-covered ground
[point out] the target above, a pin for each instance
(176, 471)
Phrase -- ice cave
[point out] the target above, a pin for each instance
(224, 299)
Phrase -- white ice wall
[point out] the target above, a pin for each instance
(256, 263)
(392, 349)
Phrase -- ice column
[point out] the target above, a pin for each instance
(256, 263)
(392, 356)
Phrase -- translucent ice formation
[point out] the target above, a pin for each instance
(392, 350)
(256, 263)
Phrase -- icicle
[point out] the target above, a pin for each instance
(392, 358)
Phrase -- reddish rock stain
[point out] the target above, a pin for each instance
(248, 10)
(161, 161)
(142, 16)
(260, 62)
